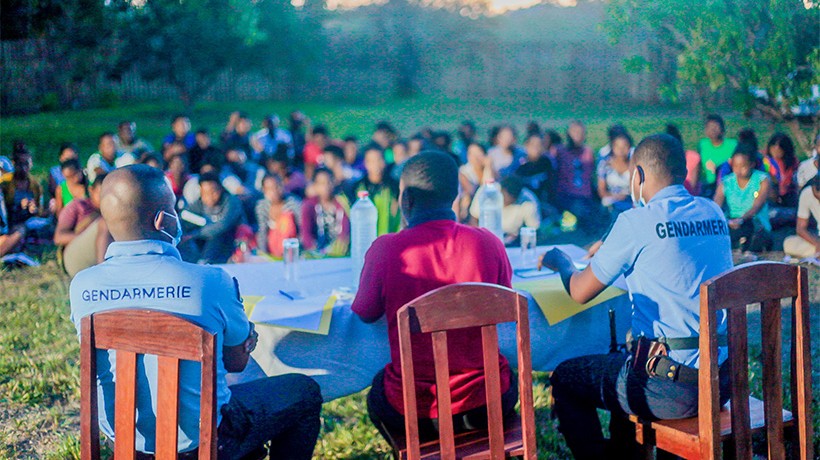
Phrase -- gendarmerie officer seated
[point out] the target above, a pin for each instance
(665, 248)
(143, 269)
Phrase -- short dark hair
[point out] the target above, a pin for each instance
(625, 135)
(351, 139)
(746, 151)
(210, 177)
(272, 177)
(717, 119)
(336, 151)
(384, 125)
(124, 123)
(673, 131)
(104, 135)
(555, 137)
(663, 156)
(177, 117)
(747, 136)
(202, 131)
(614, 130)
(98, 180)
(71, 164)
(67, 145)
(513, 185)
(371, 147)
(281, 154)
(431, 179)
(322, 170)
(320, 129)
(19, 151)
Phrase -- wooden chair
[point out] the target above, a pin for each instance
(766, 283)
(131, 332)
(454, 307)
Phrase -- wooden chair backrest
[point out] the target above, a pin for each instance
(766, 283)
(461, 306)
(131, 332)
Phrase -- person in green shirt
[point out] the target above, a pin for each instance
(745, 192)
(714, 150)
(382, 190)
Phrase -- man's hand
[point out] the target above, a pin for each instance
(235, 358)
(252, 340)
(555, 260)
(710, 165)
(735, 223)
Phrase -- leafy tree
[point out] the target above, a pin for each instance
(294, 40)
(76, 38)
(188, 42)
(765, 52)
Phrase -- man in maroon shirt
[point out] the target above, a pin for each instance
(433, 251)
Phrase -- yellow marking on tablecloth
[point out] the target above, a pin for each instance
(554, 301)
(250, 301)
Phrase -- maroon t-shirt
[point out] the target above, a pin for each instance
(75, 212)
(401, 266)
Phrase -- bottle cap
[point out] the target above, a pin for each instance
(363, 194)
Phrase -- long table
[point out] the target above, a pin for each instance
(345, 360)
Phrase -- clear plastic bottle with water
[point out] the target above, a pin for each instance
(491, 203)
(363, 216)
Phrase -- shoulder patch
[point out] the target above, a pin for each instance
(236, 287)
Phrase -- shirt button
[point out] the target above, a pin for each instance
(671, 375)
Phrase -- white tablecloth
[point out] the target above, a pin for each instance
(345, 360)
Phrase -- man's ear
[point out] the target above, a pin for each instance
(158, 220)
(407, 198)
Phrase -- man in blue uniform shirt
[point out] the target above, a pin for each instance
(143, 269)
(665, 248)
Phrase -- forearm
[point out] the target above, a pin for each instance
(808, 236)
(63, 237)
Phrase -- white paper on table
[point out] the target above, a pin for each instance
(306, 314)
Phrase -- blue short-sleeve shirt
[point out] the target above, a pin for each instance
(150, 274)
(665, 250)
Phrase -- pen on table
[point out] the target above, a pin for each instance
(286, 295)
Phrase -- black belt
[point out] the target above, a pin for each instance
(683, 343)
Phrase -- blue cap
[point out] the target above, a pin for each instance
(5, 164)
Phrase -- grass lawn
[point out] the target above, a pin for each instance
(44, 132)
(39, 350)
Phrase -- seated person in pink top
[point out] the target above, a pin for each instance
(433, 251)
(81, 232)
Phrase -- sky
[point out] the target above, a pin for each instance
(498, 6)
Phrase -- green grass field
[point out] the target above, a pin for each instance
(44, 132)
(39, 350)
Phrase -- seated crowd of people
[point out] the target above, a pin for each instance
(249, 190)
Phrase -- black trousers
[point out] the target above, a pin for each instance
(582, 385)
(751, 237)
(390, 422)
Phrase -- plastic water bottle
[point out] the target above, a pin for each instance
(363, 218)
(491, 203)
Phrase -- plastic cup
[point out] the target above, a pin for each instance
(527, 237)
(290, 255)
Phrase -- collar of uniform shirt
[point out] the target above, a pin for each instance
(428, 215)
(141, 247)
(669, 191)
